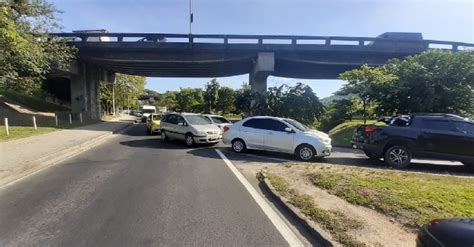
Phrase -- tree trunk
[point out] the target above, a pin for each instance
(364, 109)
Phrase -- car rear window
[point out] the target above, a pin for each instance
(219, 120)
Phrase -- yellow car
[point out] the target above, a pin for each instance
(153, 123)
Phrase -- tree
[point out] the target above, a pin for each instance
(226, 100)
(189, 100)
(168, 100)
(337, 112)
(211, 94)
(366, 82)
(434, 81)
(302, 104)
(28, 52)
(127, 89)
(243, 99)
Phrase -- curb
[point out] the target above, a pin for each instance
(308, 225)
(51, 160)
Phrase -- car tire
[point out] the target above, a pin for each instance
(397, 156)
(239, 146)
(189, 139)
(164, 137)
(371, 155)
(305, 152)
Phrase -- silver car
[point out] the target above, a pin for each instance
(277, 134)
(220, 121)
(189, 127)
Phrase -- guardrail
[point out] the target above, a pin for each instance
(256, 39)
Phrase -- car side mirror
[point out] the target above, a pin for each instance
(288, 130)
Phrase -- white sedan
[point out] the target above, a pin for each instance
(277, 134)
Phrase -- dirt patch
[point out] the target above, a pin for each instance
(375, 229)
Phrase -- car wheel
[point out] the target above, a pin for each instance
(238, 146)
(189, 139)
(371, 155)
(164, 137)
(398, 156)
(305, 152)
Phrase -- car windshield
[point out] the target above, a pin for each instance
(156, 117)
(219, 120)
(197, 120)
(297, 124)
(148, 111)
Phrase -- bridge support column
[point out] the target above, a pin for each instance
(263, 67)
(85, 94)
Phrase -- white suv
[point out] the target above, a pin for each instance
(277, 134)
(189, 127)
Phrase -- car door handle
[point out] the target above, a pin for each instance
(270, 133)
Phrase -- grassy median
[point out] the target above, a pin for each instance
(412, 199)
(334, 221)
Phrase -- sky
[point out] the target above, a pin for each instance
(451, 20)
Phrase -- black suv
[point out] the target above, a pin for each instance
(429, 136)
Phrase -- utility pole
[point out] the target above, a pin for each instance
(113, 99)
(190, 16)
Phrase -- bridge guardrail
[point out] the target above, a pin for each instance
(227, 39)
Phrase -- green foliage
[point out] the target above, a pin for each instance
(127, 89)
(367, 83)
(243, 99)
(189, 100)
(226, 100)
(211, 94)
(337, 112)
(168, 99)
(31, 102)
(434, 81)
(28, 53)
(412, 199)
(298, 102)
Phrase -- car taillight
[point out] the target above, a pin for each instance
(369, 129)
(226, 128)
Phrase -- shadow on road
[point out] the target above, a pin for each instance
(348, 158)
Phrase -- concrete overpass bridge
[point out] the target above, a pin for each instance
(101, 55)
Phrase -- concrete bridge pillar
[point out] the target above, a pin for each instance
(263, 67)
(85, 94)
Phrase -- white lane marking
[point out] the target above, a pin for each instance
(277, 221)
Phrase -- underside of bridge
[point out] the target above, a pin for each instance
(154, 56)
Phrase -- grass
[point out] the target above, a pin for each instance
(341, 135)
(17, 132)
(336, 222)
(412, 199)
(32, 102)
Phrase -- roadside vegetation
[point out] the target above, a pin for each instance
(31, 102)
(412, 199)
(341, 135)
(17, 132)
(335, 222)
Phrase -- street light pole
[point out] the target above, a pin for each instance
(190, 16)
(113, 99)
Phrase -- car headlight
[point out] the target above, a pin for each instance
(200, 133)
(325, 140)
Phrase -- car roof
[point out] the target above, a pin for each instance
(260, 117)
(211, 115)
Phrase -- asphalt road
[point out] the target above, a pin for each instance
(135, 190)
